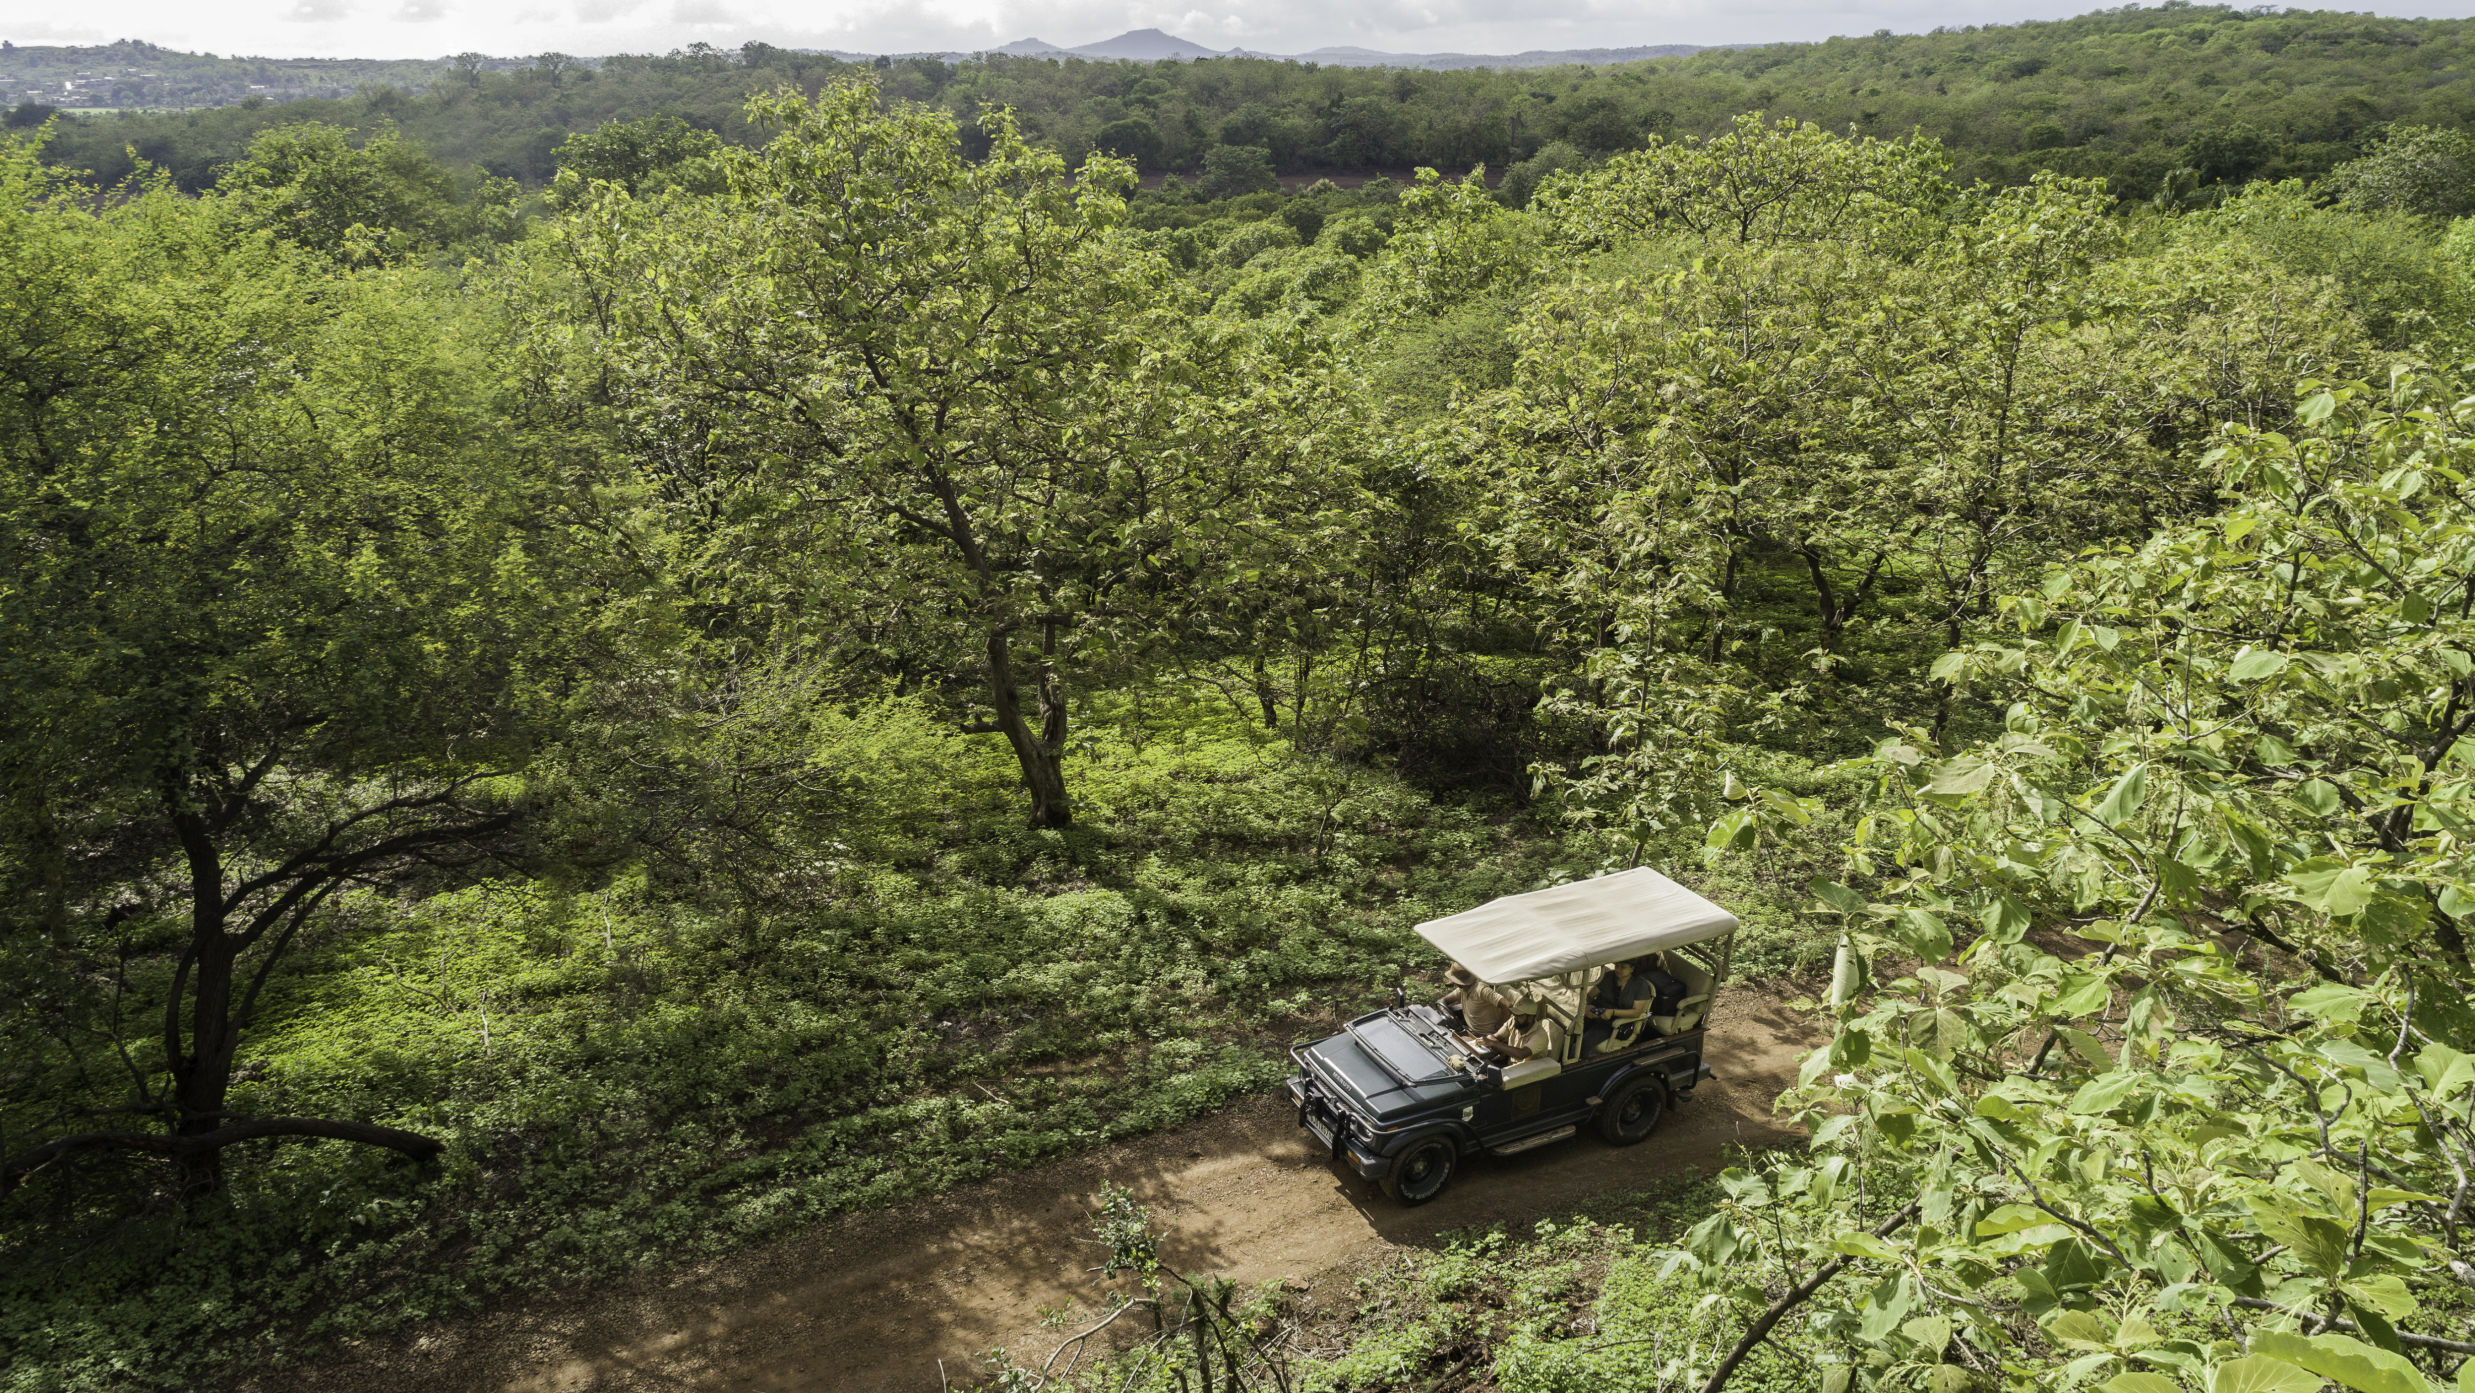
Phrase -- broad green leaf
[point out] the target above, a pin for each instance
(2086, 1046)
(2257, 663)
(1860, 1244)
(2005, 919)
(2081, 1328)
(1930, 1332)
(1925, 934)
(2125, 797)
(2010, 1218)
(2317, 1241)
(2337, 893)
(2351, 1362)
(2384, 1293)
(2329, 1001)
(1960, 778)
(2083, 994)
(2260, 1374)
(2103, 1093)
(1934, 1072)
(1837, 896)
(2444, 1070)
(2381, 1197)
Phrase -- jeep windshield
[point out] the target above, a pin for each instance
(1404, 1045)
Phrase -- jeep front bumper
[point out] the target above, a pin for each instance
(1332, 1131)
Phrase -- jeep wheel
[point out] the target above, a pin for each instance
(1634, 1112)
(1421, 1173)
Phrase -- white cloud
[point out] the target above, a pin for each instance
(604, 11)
(318, 11)
(703, 13)
(422, 11)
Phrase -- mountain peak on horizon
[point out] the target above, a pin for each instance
(1145, 46)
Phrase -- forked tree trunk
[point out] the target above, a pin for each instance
(1040, 752)
(201, 1064)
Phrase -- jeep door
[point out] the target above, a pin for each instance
(1508, 1113)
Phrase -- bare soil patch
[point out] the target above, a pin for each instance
(871, 1303)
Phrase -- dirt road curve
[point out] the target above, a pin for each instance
(871, 1303)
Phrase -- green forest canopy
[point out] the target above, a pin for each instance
(2129, 95)
(531, 745)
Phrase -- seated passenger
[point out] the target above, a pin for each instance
(1482, 1010)
(1524, 1035)
(1623, 994)
(1666, 989)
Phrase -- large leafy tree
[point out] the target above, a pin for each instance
(265, 619)
(2190, 1105)
(879, 386)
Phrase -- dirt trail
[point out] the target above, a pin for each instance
(871, 1303)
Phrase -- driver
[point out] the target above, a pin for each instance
(1525, 1034)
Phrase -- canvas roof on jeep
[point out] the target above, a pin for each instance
(1569, 927)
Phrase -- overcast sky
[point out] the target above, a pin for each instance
(430, 28)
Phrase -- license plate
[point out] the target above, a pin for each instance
(1321, 1129)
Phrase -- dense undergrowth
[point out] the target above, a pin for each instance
(1586, 1298)
(628, 1075)
(631, 1074)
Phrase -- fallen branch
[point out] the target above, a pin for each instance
(175, 1146)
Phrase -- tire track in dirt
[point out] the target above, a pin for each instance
(871, 1303)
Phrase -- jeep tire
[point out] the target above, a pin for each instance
(1421, 1172)
(1633, 1111)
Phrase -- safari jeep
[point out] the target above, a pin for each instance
(1405, 1095)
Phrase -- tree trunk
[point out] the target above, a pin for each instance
(202, 1071)
(1825, 595)
(1042, 763)
(1836, 608)
(1265, 696)
(1727, 603)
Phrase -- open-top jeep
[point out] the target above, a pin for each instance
(1405, 1093)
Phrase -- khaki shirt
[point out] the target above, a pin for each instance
(1482, 1007)
(1522, 1044)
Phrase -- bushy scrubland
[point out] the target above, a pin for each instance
(812, 673)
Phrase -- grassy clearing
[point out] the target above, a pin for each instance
(632, 1074)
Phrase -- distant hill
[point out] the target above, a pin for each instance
(135, 75)
(1146, 46)
(2146, 98)
(1532, 58)
(1154, 46)
(132, 73)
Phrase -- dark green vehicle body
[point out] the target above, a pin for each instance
(1382, 1093)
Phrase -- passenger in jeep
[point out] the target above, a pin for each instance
(1483, 1011)
(1624, 993)
(1522, 1036)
